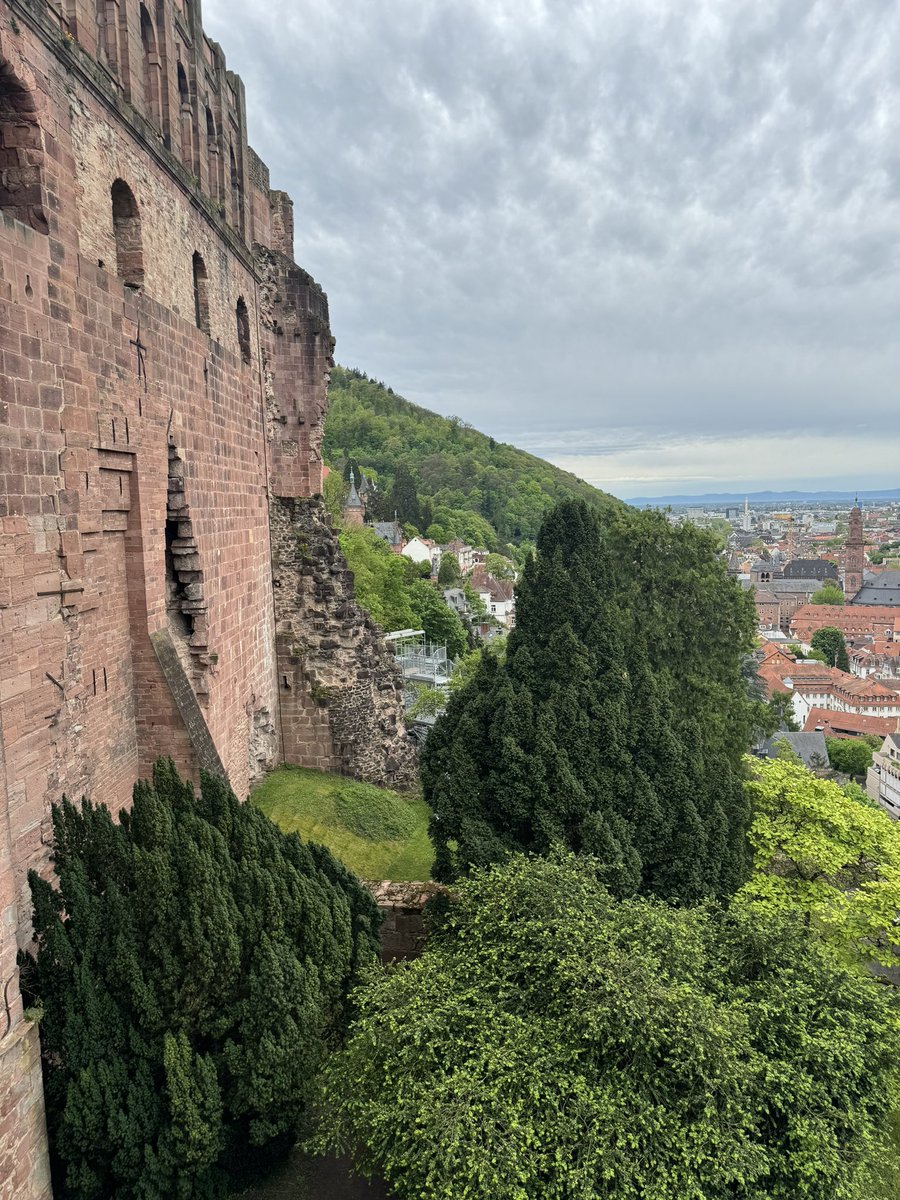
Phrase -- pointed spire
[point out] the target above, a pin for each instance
(353, 500)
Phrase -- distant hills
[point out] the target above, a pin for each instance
(732, 498)
(467, 485)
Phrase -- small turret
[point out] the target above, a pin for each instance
(354, 511)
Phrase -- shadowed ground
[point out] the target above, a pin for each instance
(324, 1179)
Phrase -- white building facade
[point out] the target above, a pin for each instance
(883, 779)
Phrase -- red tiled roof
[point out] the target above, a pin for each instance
(811, 676)
(862, 619)
(481, 581)
(843, 724)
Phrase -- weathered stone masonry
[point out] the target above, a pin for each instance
(341, 695)
(163, 375)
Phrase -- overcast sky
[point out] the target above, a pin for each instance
(654, 241)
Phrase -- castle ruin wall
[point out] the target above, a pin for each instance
(163, 375)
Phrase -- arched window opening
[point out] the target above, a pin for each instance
(201, 293)
(151, 68)
(21, 153)
(235, 191)
(212, 155)
(243, 330)
(127, 230)
(185, 119)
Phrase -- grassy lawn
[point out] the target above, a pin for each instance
(377, 833)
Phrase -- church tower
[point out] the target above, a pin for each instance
(854, 553)
(354, 510)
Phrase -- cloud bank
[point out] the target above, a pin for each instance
(623, 223)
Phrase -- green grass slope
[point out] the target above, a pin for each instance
(377, 833)
(473, 487)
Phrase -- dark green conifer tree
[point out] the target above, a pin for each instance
(193, 964)
(616, 724)
(404, 499)
(830, 643)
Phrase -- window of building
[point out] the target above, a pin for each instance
(151, 69)
(212, 154)
(107, 32)
(185, 119)
(127, 230)
(21, 192)
(236, 214)
(243, 330)
(201, 293)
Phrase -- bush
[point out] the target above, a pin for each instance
(193, 964)
(555, 1043)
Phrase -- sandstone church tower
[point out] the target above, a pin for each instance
(854, 553)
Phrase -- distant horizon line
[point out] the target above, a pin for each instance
(771, 495)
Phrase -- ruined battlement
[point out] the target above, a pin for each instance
(163, 384)
(159, 75)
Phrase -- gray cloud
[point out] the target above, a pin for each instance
(597, 221)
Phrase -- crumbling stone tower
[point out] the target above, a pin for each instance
(168, 582)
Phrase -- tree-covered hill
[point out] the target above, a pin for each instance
(466, 484)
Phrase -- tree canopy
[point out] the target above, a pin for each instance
(466, 485)
(193, 964)
(826, 857)
(499, 566)
(555, 1042)
(448, 572)
(390, 587)
(617, 722)
(781, 712)
(850, 756)
(829, 593)
(829, 642)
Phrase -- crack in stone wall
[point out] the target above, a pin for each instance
(186, 605)
(263, 746)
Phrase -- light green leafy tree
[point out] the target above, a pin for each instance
(553, 1042)
(440, 623)
(428, 702)
(829, 594)
(448, 572)
(850, 756)
(334, 493)
(500, 566)
(825, 856)
(381, 578)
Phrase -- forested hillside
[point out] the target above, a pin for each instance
(466, 484)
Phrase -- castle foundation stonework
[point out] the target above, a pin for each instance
(163, 384)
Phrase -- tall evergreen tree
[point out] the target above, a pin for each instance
(193, 964)
(405, 498)
(608, 728)
(829, 641)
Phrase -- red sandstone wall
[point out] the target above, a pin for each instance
(112, 402)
